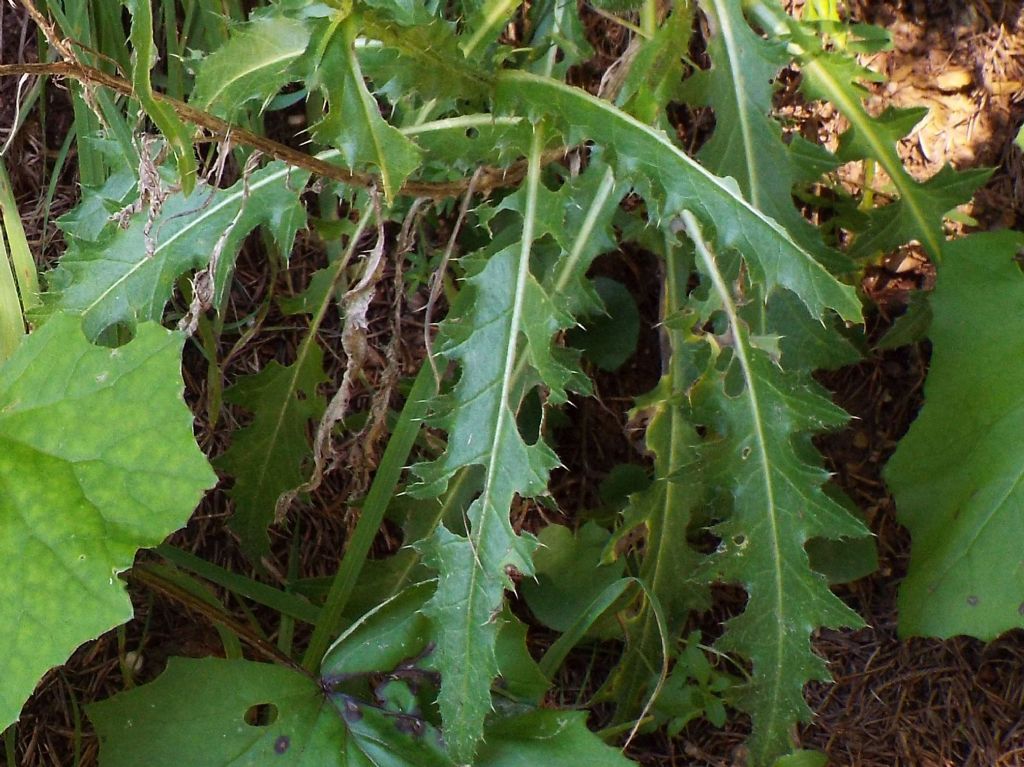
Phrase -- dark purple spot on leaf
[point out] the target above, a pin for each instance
(972, 601)
(352, 712)
(281, 744)
(410, 725)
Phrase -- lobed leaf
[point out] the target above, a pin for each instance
(672, 182)
(518, 294)
(126, 275)
(835, 77)
(655, 74)
(760, 420)
(664, 511)
(270, 455)
(97, 460)
(425, 60)
(253, 65)
(353, 122)
(747, 143)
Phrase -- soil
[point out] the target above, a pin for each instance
(895, 701)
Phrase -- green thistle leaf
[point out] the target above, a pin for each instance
(760, 420)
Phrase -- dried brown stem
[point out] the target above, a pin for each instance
(487, 178)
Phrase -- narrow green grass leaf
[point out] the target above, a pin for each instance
(385, 481)
(956, 475)
(98, 460)
(284, 602)
(25, 272)
(12, 319)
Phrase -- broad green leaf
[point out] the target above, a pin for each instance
(392, 632)
(196, 714)
(805, 345)
(608, 338)
(574, 634)
(144, 55)
(911, 326)
(549, 738)
(520, 677)
(200, 713)
(253, 65)
(672, 182)
(127, 275)
(759, 420)
(956, 474)
(270, 455)
(570, 575)
(353, 122)
(97, 460)
(844, 560)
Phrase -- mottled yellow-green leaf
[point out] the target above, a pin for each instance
(97, 460)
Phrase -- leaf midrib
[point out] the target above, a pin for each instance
(739, 93)
(287, 55)
(774, 675)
